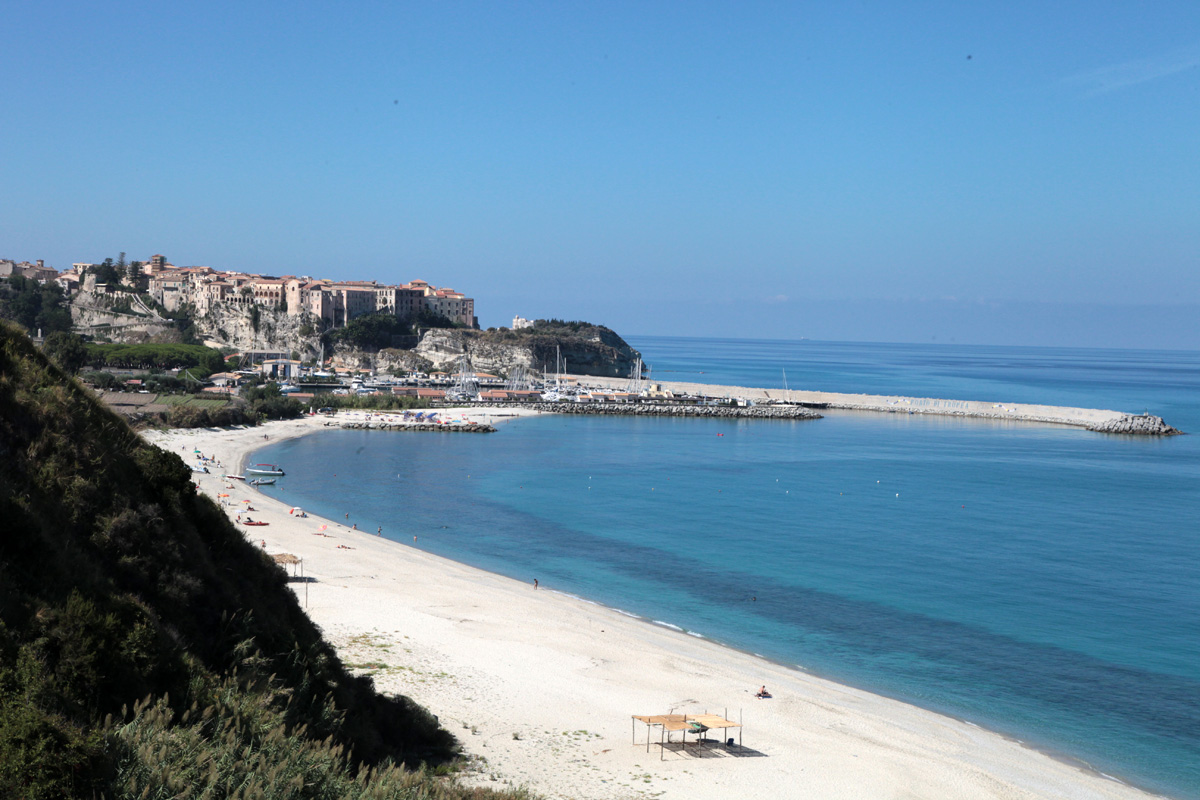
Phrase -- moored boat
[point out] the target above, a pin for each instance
(262, 481)
(264, 469)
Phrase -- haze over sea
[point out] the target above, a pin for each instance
(1038, 580)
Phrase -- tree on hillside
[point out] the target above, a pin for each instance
(212, 361)
(106, 272)
(34, 306)
(66, 350)
(369, 332)
(430, 319)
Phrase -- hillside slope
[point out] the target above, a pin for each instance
(144, 641)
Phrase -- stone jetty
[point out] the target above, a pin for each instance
(1093, 419)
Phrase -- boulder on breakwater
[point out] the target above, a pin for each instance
(1137, 425)
(673, 410)
(416, 426)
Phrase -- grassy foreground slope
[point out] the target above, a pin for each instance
(148, 650)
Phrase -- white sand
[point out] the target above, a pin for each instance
(540, 686)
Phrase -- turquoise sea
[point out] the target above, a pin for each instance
(1041, 581)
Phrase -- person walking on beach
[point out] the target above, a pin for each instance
(535, 584)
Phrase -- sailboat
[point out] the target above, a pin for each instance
(555, 394)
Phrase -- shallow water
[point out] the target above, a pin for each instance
(1039, 580)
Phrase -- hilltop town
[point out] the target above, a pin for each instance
(361, 324)
(204, 289)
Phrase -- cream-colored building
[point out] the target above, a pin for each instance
(333, 302)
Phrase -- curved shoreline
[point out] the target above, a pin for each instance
(517, 689)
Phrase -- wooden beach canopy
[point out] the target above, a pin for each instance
(284, 559)
(698, 724)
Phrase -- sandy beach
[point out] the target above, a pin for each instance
(540, 687)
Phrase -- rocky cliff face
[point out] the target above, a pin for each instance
(234, 326)
(591, 351)
(95, 315)
(390, 360)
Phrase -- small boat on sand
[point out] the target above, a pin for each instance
(235, 477)
(256, 524)
(264, 469)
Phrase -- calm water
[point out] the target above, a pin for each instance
(1041, 581)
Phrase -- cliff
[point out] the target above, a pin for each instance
(585, 349)
(120, 317)
(241, 328)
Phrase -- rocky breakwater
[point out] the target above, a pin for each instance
(672, 410)
(414, 426)
(1136, 425)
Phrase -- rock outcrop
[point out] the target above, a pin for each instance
(237, 327)
(389, 360)
(97, 315)
(591, 351)
(1137, 425)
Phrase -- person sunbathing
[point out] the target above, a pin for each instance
(763, 692)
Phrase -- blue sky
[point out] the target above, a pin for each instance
(1023, 173)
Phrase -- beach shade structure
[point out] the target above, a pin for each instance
(286, 559)
(697, 724)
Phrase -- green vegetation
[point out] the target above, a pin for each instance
(368, 332)
(113, 273)
(203, 411)
(377, 402)
(106, 271)
(147, 649)
(557, 327)
(161, 356)
(428, 319)
(378, 331)
(32, 306)
(66, 350)
(267, 402)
